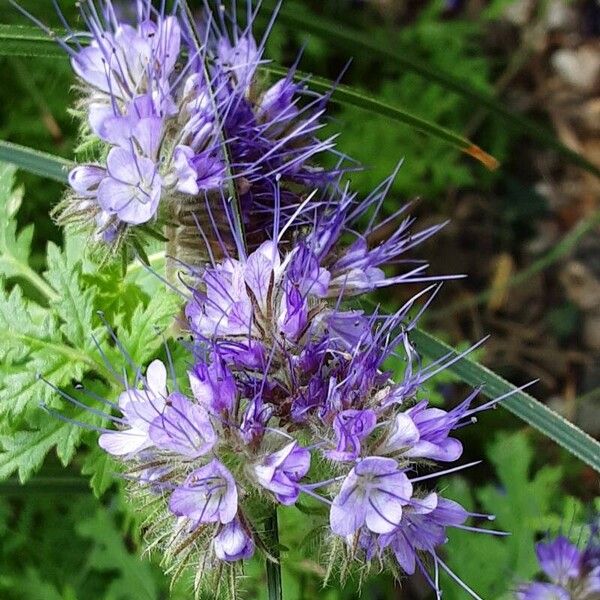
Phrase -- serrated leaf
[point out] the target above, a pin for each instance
(143, 337)
(76, 305)
(15, 246)
(24, 452)
(522, 500)
(102, 468)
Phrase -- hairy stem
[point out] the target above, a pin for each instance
(273, 568)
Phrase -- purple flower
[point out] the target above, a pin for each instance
(422, 432)
(559, 559)
(350, 427)
(233, 543)
(574, 574)
(183, 427)
(423, 528)
(139, 408)
(132, 188)
(281, 471)
(120, 63)
(213, 386)
(260, 270)
(208, 495)
(543, 591)
(226, 308)
(240, 59)
(374, 493)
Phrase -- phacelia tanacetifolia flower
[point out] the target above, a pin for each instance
(178, 116)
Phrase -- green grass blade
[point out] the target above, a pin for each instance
(524, 406)
(27, 40)
(353, 97)
(358, 43)
(34, 161)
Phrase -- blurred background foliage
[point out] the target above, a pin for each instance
(539, 58)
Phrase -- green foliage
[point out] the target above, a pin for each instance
(447, 46)
(53, 337)
(57, 546)
(527, 505)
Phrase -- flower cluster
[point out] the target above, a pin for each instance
(573, 574)
(178, 115)
(287, 394)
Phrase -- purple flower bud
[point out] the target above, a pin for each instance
(208, 495)
(185, 173)
(351, 426)
(233, 542)
(374, 493)
(280, 472)
(85, 179)
(241, 59)
(213, 386)
(422, 432)
(305, 273)
(255, 418)
(293, 314)
(277, 105)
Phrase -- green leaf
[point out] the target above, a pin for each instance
(24, 451)
(30, 349)
(27, 40)
(143, 337)
(15, 247)
(76, 304)
(359, 43)
(36, 162)
(101, 467)
(521, 404)
(521, 501)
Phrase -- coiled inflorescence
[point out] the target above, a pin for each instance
(178, 116)
(287, 392)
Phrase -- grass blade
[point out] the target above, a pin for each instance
(34, 161)
(358, 43)
(27, 40)
(524, 406)
(354, 97)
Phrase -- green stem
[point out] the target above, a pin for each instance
(25, 271)
(273, 568)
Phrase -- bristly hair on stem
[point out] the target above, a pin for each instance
(273, 567)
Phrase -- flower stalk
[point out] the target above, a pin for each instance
(273, 567)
